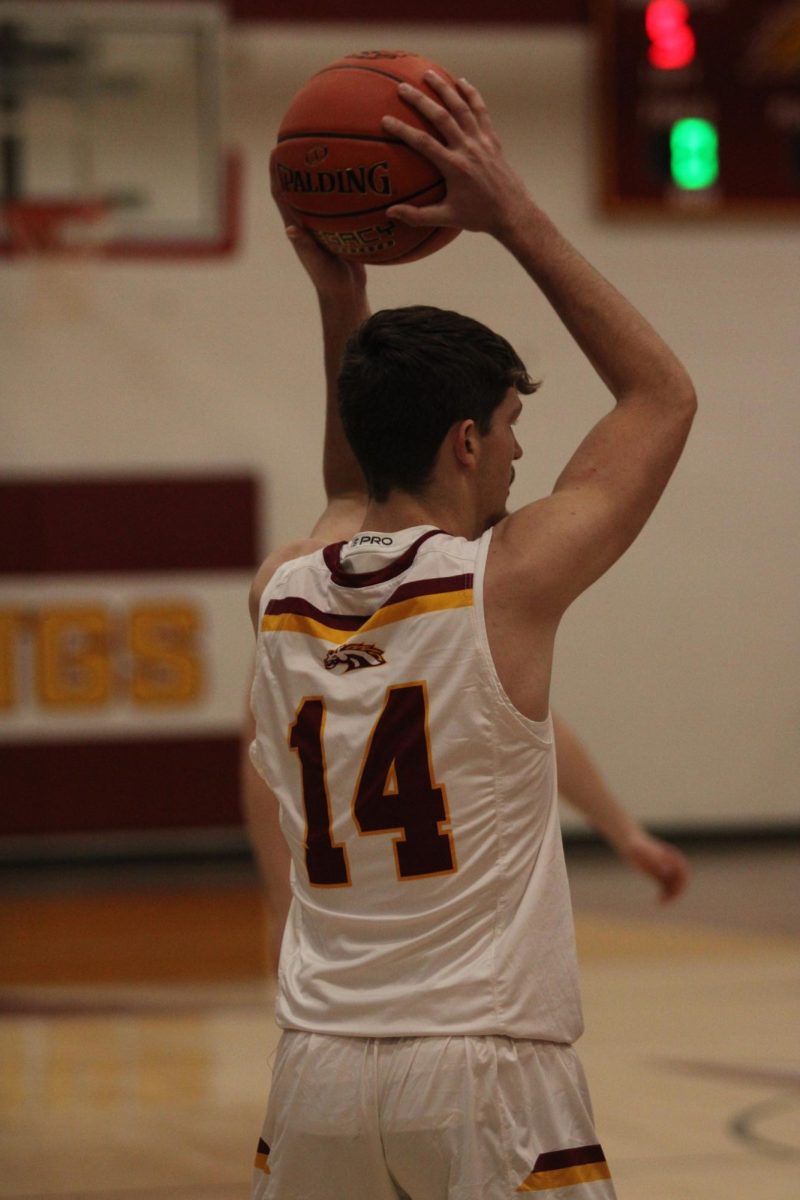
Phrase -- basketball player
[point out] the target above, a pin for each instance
(427, 984)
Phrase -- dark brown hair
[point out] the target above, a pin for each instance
(407, 376)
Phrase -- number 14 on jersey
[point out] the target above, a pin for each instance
(395, 791)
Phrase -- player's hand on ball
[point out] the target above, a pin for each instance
(484, 193)
(333, 276)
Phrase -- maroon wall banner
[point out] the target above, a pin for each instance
(124, 652)
(520, 12)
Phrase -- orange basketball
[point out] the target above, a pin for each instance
(339, 170)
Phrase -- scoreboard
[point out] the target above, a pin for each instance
(700, 106)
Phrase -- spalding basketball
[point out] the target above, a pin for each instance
(339, 170)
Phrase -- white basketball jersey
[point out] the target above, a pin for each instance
(430, 893)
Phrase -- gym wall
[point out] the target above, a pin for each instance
(679, 669)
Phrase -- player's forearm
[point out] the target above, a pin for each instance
(630, 357)
(584, 788)
(341, 315)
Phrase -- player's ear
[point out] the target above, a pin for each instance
(465, 442)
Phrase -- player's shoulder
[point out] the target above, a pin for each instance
(524, 553)
(515, 534)
(288, 553)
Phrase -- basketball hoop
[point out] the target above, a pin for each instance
(52, 226)
(60, 238)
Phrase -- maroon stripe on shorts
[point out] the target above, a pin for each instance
(128, 524)
(556, 1160)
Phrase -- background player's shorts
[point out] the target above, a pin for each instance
(430, 1118)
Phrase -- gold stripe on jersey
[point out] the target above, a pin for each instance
(417, 606)
(294, 623)
(546, 1181)
(389, 614)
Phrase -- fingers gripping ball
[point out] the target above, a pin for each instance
(339, 171)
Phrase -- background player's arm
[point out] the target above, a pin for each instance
(581, 784)
(558, 546)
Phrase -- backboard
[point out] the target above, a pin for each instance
(116, 105)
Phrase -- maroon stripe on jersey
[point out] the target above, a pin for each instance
(429, 587)
(353, 579)
(407, 591)
(114, 784)
(556, 1160)
(160, 523)
(300, 607)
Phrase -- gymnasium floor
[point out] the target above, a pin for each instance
(136, 1030)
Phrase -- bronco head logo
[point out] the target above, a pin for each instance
(353, 656)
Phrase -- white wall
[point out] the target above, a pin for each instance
(680, 668)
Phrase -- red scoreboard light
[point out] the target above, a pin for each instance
(672, 41)
(700, 106)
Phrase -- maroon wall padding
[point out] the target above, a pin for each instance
(522, 12)
(90, 787)
(66, 528)
(83, 526)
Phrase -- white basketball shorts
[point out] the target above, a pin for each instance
(429, 1118)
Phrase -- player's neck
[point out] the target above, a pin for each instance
(403, 511)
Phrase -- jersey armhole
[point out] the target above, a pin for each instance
(265, 595)
(541, 730)
(282, 570)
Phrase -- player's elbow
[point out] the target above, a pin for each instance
(678, 393)
(668, 388)
(672, 406)
(676, 419)
(685, 409)
(686, 399)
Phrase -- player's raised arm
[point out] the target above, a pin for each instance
(602, 498)
(341, 288)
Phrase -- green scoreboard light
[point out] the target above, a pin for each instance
(700, 106)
